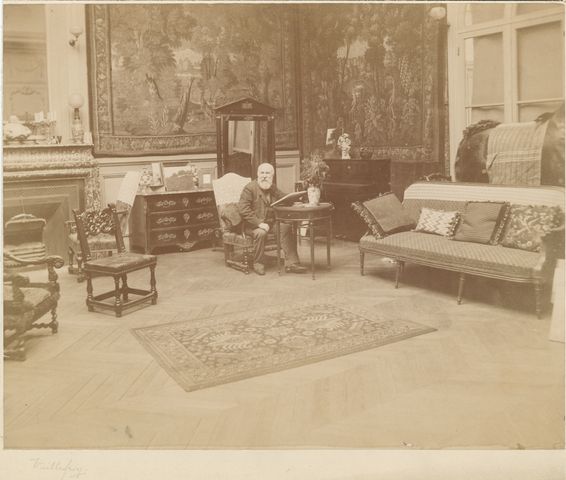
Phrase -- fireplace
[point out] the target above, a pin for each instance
(48, 182)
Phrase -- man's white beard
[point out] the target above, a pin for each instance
(265, 184)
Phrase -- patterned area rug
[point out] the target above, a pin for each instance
(205, 352)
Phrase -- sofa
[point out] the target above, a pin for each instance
(533, 266)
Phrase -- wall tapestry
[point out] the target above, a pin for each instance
(157, 72)
(368, 70)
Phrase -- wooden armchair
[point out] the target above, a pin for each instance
(117, 266)
(238, 247)
(26, 302)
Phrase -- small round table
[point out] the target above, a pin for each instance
(296, 215)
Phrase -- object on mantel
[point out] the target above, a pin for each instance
(15, 132)
(76, 101)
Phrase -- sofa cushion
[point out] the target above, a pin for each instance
(438, 222)
(481, 222)
(435, 250)
(388, 213)
(527, 224)
(368, 219)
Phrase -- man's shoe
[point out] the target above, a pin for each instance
(296, 268)
(259, 268)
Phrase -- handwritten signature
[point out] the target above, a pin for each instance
(68, 469)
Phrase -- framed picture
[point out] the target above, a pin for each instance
(205, 176)
(157, 174)
(158, 97)
(177, 177)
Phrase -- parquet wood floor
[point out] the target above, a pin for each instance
(488, 378)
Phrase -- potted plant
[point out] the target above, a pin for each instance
(313, 173)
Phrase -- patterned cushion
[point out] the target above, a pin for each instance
(368, 219)
(438, 222)
(102, 241)
(32, 296)
(481, 222)
(117, 263)
(435, 250)
(527, 224)
(231, 238)
(389, 214)
(383, 215)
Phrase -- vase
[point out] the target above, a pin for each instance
(345, 152)
(314, 196)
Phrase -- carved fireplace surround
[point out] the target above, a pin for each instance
(49, 181)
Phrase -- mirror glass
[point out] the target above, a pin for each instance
(25, 89)
(247, 147)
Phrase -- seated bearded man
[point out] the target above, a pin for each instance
(259, 219)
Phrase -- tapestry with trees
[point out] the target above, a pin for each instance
(158, 72)
(369, 70)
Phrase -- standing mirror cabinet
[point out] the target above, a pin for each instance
(245, 137)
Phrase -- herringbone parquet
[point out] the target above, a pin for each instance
(488, 378)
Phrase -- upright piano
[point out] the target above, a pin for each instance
(349, 181)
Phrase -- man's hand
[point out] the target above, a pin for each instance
(264, 226)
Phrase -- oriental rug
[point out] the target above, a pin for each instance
(200, 353)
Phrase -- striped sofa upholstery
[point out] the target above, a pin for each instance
(494, 261)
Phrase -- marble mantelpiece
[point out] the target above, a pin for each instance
(25, 163)
(49, 181)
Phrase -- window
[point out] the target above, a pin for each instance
(506, 63)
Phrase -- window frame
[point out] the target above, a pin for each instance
(508, 25)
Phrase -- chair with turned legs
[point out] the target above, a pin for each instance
(116, 266)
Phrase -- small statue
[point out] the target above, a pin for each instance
(344, 144)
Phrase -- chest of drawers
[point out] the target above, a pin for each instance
(166, 219)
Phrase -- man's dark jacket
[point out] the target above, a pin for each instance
(255, 204)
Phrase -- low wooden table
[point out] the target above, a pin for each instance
(304, 213)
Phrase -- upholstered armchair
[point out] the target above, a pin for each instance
(238, 247)
(26, 302)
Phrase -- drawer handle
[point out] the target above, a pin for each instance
(166, 236)
(186, 217)
(205, 232)
(185, 202)
(205, 215)
(203, 200)
(166, 220)
(187, 234)
(166, 203)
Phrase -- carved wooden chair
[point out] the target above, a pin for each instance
(116, 266)
(100, 245)
(26, 302)
(237, 246)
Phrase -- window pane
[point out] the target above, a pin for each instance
(477, 13)
(529, 112)
(491, 113)
(523, 8)
(540, 58)
(484, 69)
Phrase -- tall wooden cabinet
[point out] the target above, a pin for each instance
(354, 180)
(166, 219)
